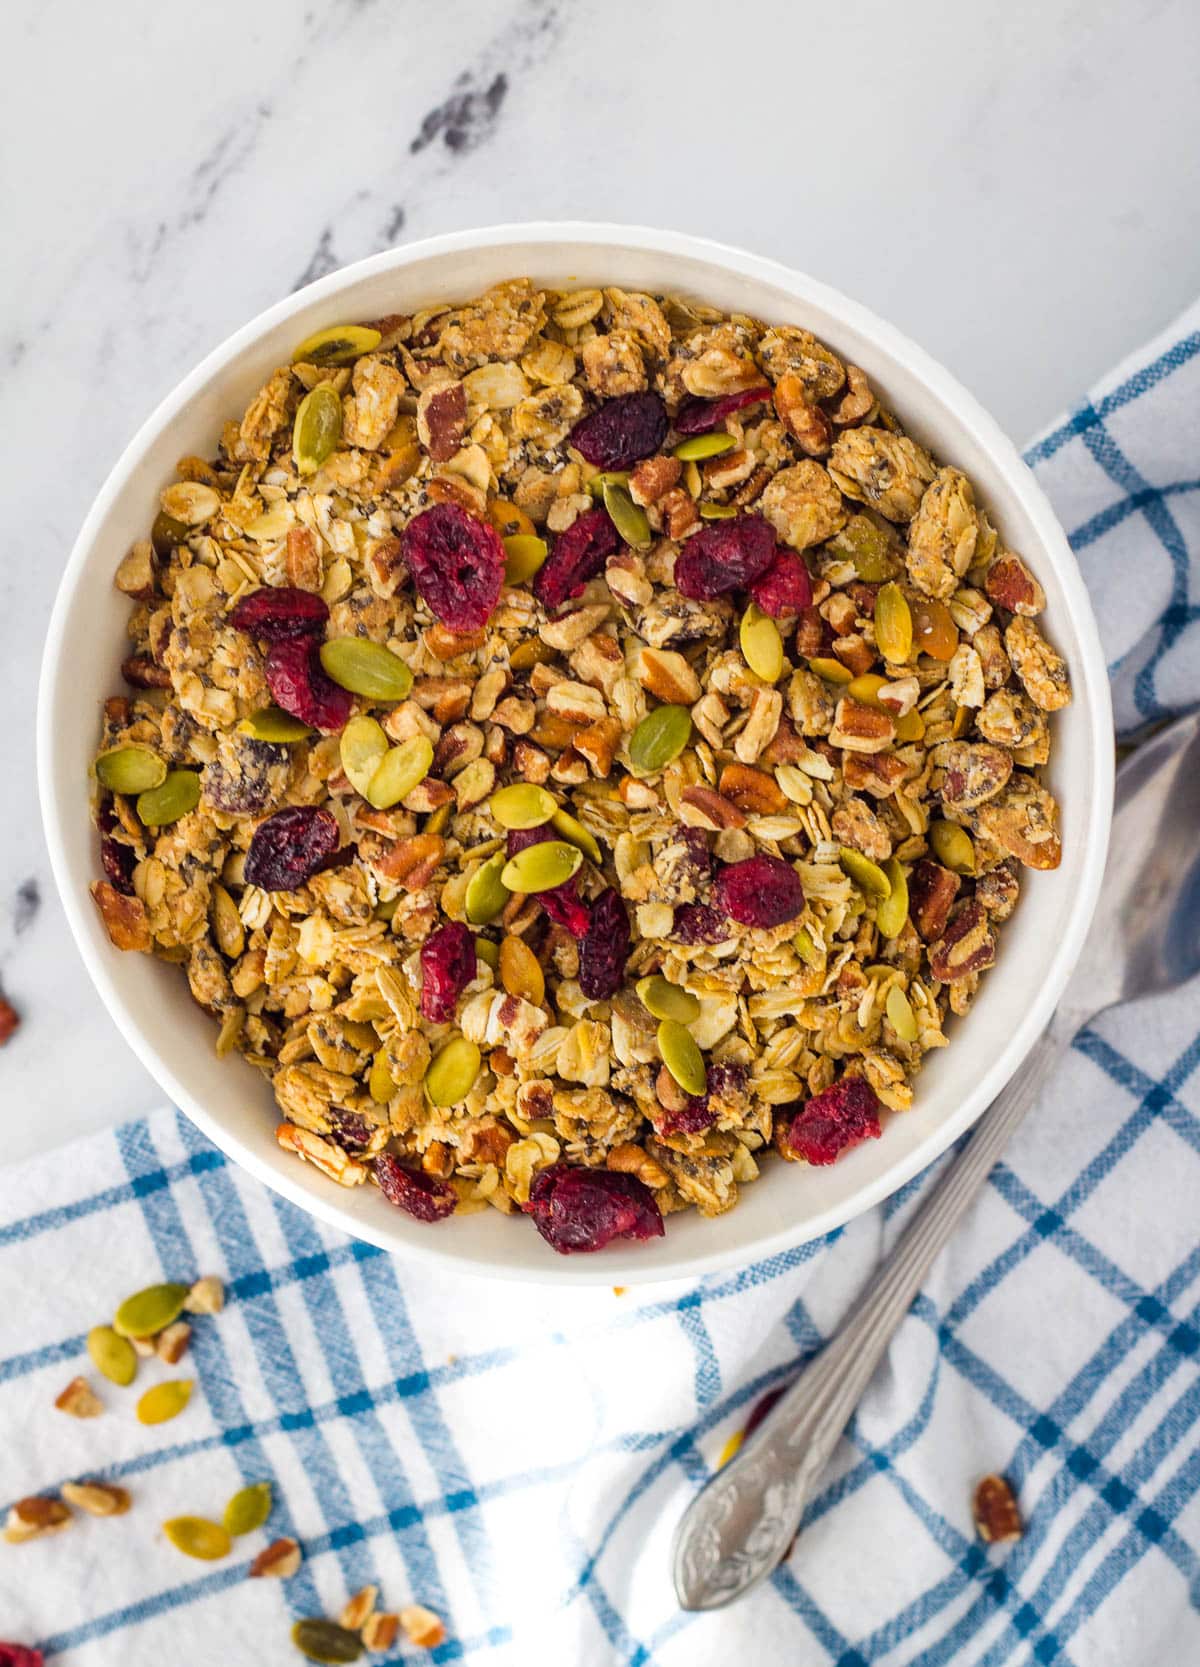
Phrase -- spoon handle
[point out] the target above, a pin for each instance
(742, 1524)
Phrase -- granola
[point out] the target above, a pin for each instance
(774, 690)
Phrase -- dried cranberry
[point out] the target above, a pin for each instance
(785, 588)
(562, 903)
(277, 613)
(585, 1209)
(724, 556)
(447, 967)
(457, 564)
(118, 862)
(831, 1122)
(16, 1655)
(605, 947)
(700, 416)
(579, 554)
(349, 1129)
(697, 923)
(300, 684)
(622, 431)
(762, 891)
(566, 908)
(411, 1190)
(291, 846)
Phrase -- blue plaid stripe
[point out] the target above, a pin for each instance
(1104, 1450)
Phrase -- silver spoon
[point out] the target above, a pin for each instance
(1145, 939)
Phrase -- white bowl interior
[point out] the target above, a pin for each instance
(229, 1100)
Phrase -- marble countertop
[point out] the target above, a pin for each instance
(1004, 182)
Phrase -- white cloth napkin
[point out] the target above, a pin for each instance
(516, 1458)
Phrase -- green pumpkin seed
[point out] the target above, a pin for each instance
(899, 1011)
(564, 823)
(166, 532)
(661, 736)
(524, 553)
(380, 1085)
(148, 1312)
(322, 1640)
(271, 723)
(317, 429)
(404, 768)
(173, 798)
(164, 1401)
(807, 949)
(248, 1509)
(130, 769)
(952, 847)
(226, 923)
(523, 805)
(487, 952)
(892, 911)
(666, 1000)
(762, 646)
(362, 748)
(867, 875)
(336, 346)
(366, 668)
(699, 446)
(893, 624)
(693, 480)
(605, 478)
(717, 512)
(833, 671)
(541, 867)
(486, 892)
(627, 517)
(682, 1057)
(452, 1073)
(197, 1537)
(113, 1356)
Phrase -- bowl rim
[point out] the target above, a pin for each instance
(616, 1265)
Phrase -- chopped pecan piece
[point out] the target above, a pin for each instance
(751, 790)
(124, 918)
(931, 891)
(860, 728)
(966, 946)
(997, 1516)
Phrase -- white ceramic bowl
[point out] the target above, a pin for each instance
(228, 1100)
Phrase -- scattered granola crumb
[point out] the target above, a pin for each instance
(997, 1515)
(380, 1631)
(278, 1561)
(34, 1517)
(358, 1611)
(207, 1296)
(171, 1344)
(422, 1627)
(98, 1499)
(80, 1400)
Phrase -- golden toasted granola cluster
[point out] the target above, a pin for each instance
(577, 741)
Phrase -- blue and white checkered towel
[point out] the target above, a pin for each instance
(516, 1459)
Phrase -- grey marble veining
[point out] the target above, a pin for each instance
(1011, 185)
